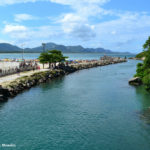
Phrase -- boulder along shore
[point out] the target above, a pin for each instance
(14, 87)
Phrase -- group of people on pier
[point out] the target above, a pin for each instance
(18, 67)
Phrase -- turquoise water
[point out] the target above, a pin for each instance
(72, 56)
(91, 109)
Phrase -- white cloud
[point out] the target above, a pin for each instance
(79, 2)
(31, 35)
(24, 17)
(77, 24)
(70, 21)
(64, 2)
(70, 17)
(15, 31)
(74, 24)
(14, 28)
(85, 8)
(10, 2)
(125, 31)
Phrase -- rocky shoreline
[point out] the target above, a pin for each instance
(136, 81)
(11, 89)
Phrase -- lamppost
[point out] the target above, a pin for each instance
(22, 51)
(43, 44)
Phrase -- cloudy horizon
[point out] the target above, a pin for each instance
(110, 24)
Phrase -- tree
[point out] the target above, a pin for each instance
(146, 63)
(56, 56)
(143, 69)
(50, 59)
(44, 58)
(146, 46)
(52, 56)
(140, 70)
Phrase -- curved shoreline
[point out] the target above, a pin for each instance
(11, 89)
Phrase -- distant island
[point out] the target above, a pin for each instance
(8, 48)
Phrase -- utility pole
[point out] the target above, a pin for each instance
(43, 44)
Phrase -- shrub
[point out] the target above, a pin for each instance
(146, 81)
(140, 70)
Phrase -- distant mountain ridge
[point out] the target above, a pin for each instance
(5, 47)
(8, 48)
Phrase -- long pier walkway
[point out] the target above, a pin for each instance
(10, 78)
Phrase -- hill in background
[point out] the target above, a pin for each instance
(8, 48)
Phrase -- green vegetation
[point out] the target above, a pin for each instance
(143, 69)
(146, 48)
(52, 56)
(43, 58)
(141, 55)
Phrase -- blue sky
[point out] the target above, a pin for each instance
(111, 24)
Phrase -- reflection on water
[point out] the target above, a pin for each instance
(1, 105)
(144, 98)
(55, 83)
(145, 115)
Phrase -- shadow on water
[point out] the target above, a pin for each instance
(144, 98)
(2, 104)
(55, 83)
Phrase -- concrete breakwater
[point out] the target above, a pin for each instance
(11, 89)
